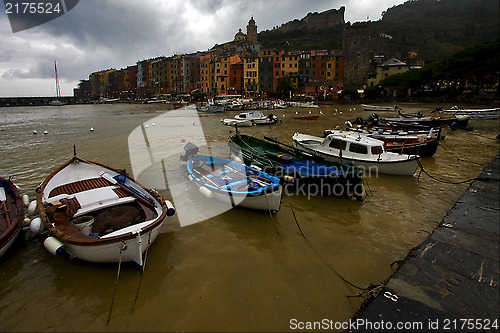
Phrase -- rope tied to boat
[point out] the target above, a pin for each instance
(323, 260)
(445, 181)
(142, 270)
(122, 248)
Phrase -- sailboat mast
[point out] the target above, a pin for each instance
(58, 88)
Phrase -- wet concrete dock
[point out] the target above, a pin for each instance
(450, 282)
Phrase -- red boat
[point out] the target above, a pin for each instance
(307, 117)
(11, 214)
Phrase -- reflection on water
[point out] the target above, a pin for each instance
(240, 270)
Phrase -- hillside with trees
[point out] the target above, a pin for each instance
(432, 28)
(478, 66)
(438, 28)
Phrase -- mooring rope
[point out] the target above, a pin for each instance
(448, 182)
(142, 270)
(116, 282)
(322, 259)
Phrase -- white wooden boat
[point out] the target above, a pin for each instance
(492, 113)
(257, 117)
(11, 214)
(99, 214)
(303, 105)
(367, 107)
(234, 105)
(237, 122)
(210, 106)
(233, 183)
(363, 152)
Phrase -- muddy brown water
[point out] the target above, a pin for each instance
(238, 271)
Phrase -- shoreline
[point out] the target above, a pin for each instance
(450, 281)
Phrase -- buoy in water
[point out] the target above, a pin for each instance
(153, 124)
(206, 192)
(45, 132)
(36, 225)
(91, 129)
(35, 132)
(32, 207)
(54, 245)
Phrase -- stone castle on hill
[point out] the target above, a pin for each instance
(242, 66)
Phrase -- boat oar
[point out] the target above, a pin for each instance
(3, 197)
(206, 178)
(127, 189)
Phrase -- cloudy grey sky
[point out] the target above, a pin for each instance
(101, 34)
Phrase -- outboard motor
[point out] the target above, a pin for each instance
(358, 121)
(372, 119)
(191, 150)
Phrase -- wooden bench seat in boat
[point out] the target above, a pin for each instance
(79, 186)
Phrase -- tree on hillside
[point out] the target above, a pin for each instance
(284, 87)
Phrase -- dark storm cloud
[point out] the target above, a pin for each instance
(101, 34)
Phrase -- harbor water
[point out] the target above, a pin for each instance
(242, 270)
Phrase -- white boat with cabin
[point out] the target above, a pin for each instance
(363, 152)
(257, 117)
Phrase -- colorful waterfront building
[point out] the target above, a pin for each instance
(277, 67)
(251, 74)
(319, 59)
(266, 68)
(290, 66)
(335, 67)
(236, 79)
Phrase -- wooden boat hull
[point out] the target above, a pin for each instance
(239, 123)
(372, 108)
(12, 215)
(235, 184)
(126, 217)
(431, 121)
(127, 250)
(492, 113)
(427, 148)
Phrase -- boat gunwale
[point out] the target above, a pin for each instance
(347, 171)
(16, 223)
(263, 190)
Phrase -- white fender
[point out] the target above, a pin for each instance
(32, 207)
(26, 199)
(170, 208)
(206, 192)
(26, 221)
(36, 225)
(236, 159)
(54, 245)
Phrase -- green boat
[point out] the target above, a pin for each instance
(309, 174)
